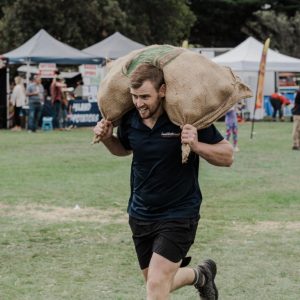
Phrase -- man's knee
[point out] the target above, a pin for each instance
(158, 286)
(154, 283)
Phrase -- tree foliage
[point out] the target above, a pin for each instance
(226, 23)
(284, 31)
(287, 7)
(208, 23)
(82, 23)
(156, 21)
(219, 22)
(78, 23)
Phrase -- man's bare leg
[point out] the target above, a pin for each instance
(184, 276)
(163, 277)
(160, 276)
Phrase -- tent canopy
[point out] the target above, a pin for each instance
(246, 57)
(115, 46)
(42, 47)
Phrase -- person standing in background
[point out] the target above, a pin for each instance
(78, 92)
(296, 122)
(57, 99)
(278, 101)
(231, 123)
(18, 99)
(35, 93)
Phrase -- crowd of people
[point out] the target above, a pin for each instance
(34, 96)
(28, 102)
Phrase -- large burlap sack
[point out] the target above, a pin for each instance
(198, 91)
(114, 99)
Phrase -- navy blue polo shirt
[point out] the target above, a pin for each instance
(161, 186)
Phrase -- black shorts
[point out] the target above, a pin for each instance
(171, 239)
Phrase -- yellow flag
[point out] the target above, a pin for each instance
(261, 75)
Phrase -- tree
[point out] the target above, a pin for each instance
(155, 21)
(226, 23)
(78, 23)
(284, 31)
(209, 23)
(4, 3)
(82, 23)
(219, 22)
(287, 7)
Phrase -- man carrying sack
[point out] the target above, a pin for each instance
(164, 205)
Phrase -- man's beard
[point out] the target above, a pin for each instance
(149, 113)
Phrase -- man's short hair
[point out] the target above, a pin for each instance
(146, 72)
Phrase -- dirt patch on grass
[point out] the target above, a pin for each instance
(61, 214)
(266, 226)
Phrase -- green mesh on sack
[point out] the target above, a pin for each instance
(158, 56)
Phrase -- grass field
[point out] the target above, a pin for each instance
(50, 250)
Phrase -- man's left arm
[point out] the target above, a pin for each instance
(219, 154)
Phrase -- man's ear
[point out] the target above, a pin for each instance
(162, 90)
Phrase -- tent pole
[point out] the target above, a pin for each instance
(27, 72)
(277, 85)
(7, 96)
(253, 120)
(254, 109)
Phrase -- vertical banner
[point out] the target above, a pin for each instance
(259, 99)
(261, 76)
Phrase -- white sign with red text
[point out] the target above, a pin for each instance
(47, 70)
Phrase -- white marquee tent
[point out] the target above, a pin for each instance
(246, 57)
(244, 60)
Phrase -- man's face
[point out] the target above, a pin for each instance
(37, 79)
(147, 99)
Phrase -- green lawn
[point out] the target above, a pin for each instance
(49, 250)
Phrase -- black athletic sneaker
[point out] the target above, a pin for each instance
(209, 290)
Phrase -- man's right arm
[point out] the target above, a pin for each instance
(104, 129)
(115, 147)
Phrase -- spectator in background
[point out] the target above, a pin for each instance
(57, 99)
(78, 92)
(231, 123)
(35, 93)
(296, 122)
(277, 101)
(18, 99)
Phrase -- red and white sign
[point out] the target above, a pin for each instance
(88, 70)
(47, 70)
